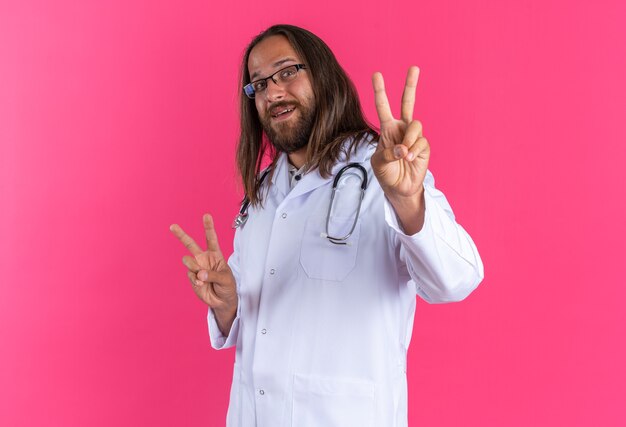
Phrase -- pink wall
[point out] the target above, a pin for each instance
(119, 118)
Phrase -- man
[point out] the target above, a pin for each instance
(319, 294)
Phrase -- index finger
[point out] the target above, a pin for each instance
(380, 99)
(408, 96)
(211, 235)
(185, 239)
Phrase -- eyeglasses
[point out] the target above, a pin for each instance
(282, 76)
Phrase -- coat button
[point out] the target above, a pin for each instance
(264, 331)
(272, 271)
(261, 392)
(283, 216)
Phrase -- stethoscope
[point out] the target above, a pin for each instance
(242, 217)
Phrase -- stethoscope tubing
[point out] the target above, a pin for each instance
(242, 217)
(342, 240)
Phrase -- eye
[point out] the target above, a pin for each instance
(259, 86)
(288, 73)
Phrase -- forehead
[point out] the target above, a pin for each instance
(271, 54)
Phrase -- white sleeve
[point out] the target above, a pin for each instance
(441, 258)
(218, 340)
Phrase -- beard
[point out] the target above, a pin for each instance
(292, 134)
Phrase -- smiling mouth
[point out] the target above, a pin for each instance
(282, 113)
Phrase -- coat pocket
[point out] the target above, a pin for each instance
(320, 258)
(332, 402)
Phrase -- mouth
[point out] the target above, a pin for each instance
(283, 113)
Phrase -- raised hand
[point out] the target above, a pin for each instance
(401, 158)
(209, 273)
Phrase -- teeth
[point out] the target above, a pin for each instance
(283, 112)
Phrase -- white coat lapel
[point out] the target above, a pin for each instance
(313, 179)
(280, 177)
(309, 182)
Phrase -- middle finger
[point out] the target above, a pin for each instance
(408, 96)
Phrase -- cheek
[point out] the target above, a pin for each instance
(259, 107)
(306, 94)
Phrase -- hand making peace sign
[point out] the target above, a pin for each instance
(208, 271)
(401, 158)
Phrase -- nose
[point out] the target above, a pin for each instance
(273, 91)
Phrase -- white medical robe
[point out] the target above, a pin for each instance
(322, 330)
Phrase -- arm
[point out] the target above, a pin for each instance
(441, 257)
(224, 324)
(214, 282)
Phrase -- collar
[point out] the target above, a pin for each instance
(295, 175)
(312, 180)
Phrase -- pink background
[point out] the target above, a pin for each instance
(119, 118)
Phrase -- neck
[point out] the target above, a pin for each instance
(298, 158)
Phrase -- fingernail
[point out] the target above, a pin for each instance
(203, 275)
(410, 156)
(198, 283)
(397, 151)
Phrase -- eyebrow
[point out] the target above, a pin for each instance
(274, 65)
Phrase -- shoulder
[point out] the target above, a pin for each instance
(360, 151)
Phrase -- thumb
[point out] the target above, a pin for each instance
(220, 277)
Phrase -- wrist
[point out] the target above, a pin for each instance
(225, 318)
(226, 310)
(410, 203)
(410, 211)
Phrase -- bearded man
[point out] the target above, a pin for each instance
(335, 239)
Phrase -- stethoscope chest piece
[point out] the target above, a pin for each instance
(242, 216)
(240, 220)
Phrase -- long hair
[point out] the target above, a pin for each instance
(338, 112)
